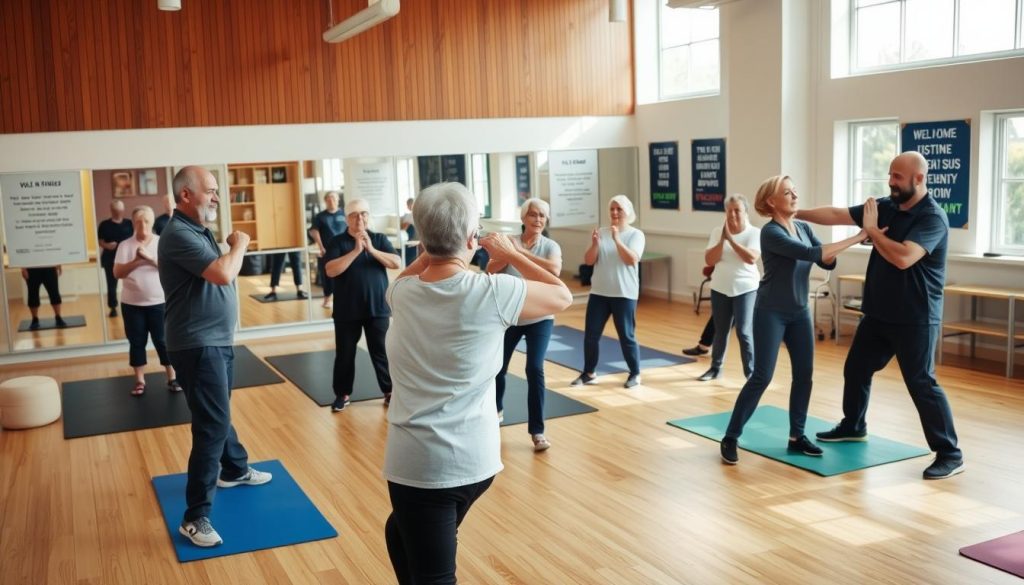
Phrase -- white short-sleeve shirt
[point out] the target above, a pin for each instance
(445, 346)
(543, 247)
(732, 276)
(612, 277)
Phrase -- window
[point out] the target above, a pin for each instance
(1008, 207)
(899, 34)
(480, 183)
(872, 147)
(689, 58)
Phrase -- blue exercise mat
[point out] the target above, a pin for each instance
(566, 349)
(767, 432)
(248, 518)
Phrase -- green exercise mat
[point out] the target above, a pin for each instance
(768, 431)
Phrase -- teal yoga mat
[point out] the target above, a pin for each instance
(768, 431)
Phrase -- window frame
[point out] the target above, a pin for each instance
(852, 150)
(662, 96)
(996, 244)
(855, 69)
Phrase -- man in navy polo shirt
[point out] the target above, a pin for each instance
(202, 305)
(902, 307)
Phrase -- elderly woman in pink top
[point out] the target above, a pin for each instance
(142, 300)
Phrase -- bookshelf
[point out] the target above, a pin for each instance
(265, 203)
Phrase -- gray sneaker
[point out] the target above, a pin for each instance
(251, 477)
(200, 532)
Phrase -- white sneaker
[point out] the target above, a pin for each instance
(501, 416)
(251, 477)
(200, 532)
(541, 443)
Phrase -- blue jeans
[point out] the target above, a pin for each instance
(206, 375)
(140, 323)
(537, 337)
(874, 344)
(623, 314)
(726, 311)
(771, 329)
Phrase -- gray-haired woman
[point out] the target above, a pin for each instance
(445, 347)
(733, 250)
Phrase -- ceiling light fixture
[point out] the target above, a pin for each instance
(377, 12)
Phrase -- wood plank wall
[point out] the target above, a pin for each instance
(70, 65)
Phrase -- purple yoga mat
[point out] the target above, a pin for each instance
(1005, 553)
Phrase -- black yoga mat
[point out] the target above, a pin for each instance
(566, 348)
(286, 295)
(51, 323)
(313, 373)
(104, 406)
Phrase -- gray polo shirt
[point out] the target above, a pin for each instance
(198, 313)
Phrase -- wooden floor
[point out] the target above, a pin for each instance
(620, 497)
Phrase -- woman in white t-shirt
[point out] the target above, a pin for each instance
(615, 253)
(445, 349)
(546, 253)
(733, 250)
(142, 298)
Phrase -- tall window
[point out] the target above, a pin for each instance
(872, 147)
(480, 182)
(1008, 207)
(898, 34)
(689, 55)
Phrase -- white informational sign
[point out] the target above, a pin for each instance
(44, 222)
(574, 190)
(372, 179)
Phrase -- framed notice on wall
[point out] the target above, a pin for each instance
(573, 187)
(707, 162)
(372, 179)
(947, 148)
(664, 175)
(44, 223)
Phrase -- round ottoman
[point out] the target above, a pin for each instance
(29, 401)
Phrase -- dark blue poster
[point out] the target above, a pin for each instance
(664, 175)
(947, 147)
(523, 178)
(708, 162)
(444, 168)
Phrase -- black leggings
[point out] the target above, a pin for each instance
(422, 527)
(46, 277)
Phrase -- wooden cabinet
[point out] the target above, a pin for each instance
(265, 204)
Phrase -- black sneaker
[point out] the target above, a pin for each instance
(60, 322)
(944, 467)
(839, 434)
(303, 294)
(803, 445)
(34, 324)
(584, 378)
(695, 351)
(712, 374)
(270, 296)
(113, 312)
(340, 404)
(728, 450)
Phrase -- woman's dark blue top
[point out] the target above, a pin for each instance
(787, 265)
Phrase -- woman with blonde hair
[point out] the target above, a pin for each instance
(788, 249)
(614, 253)
(547, 254)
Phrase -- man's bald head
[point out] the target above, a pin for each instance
(117, 209)
(908, 177)
(914, 162)
(186, 178)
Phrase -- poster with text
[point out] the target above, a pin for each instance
(44, 222)
(664, 175)
(522, 178)
(447, 168)
(947, 147)
(573, 186)
(372, 179)
(708, 173)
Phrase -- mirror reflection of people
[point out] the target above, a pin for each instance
(326, 225)
(407, 225)
(615, 253)
(142, 298)
(111, 232)
(358, 260)
(547, 254)
(47, 277)
(277, 267)
(200, 317)
(443, 444)
(162, 219)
